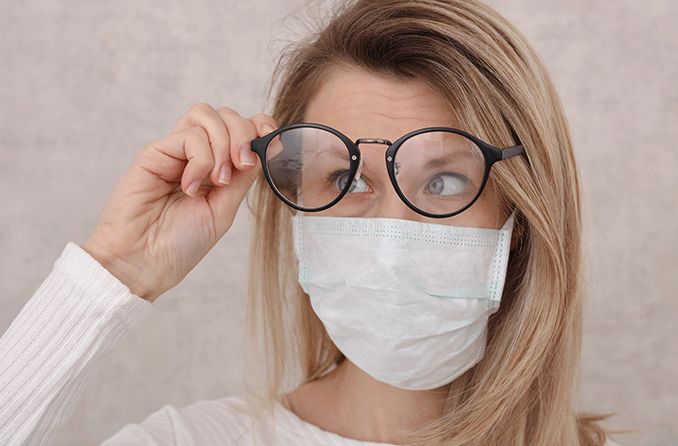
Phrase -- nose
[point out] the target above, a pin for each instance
(387, 204)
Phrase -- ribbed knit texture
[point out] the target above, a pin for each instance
(56, 343)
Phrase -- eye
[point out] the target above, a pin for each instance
(339, 179)
(447, 184)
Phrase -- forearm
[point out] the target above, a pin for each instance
(77, 314)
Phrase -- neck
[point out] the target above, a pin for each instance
(349, 402)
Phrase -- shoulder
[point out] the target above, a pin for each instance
(227, 419)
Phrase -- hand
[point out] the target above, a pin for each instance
(170, 208)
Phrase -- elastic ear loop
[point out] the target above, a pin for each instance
(301, 264)
(494, 301)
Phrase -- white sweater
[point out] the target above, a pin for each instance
(56, 343)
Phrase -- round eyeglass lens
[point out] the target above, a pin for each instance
(308, 166)
(439, 172)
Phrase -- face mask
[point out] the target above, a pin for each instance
(405, 301)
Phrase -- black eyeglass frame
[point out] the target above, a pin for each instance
(491, 154)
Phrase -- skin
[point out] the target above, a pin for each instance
(348, 401)
(363, 105)
(154, 228)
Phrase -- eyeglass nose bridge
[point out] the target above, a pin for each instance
(368, 141)
(372, 141)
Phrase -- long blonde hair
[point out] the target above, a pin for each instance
(522, 391)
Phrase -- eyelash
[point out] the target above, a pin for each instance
(332, 177)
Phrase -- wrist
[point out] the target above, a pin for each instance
(121, 269)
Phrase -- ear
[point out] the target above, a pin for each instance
(514, 241)
(516, 234)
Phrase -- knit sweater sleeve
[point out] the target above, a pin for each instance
(56, 343)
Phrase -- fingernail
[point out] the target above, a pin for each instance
(192, 189)
(225, 174)
(267, 129)
(246, 156)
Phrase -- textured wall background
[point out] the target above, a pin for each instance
(84, 85)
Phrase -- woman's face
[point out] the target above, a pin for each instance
(363, 105)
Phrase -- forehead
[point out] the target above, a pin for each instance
(361, 104)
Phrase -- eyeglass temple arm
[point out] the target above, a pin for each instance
(512, 151)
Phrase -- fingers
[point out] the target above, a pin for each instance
(192, 145)
(219, 136)
(216, 143)
(225, 201)
(265, 125)
(241, 131)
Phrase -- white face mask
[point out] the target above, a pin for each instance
(405, 301)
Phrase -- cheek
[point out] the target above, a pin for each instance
(488, 211)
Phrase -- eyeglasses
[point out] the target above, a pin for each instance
(436, 171)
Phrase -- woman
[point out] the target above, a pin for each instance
(421, 299)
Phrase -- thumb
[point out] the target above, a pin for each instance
(225, 200)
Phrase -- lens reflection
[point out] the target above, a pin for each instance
(309, 166)
(439, 172)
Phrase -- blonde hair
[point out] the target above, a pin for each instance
(522, 391)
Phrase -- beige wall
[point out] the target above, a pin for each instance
(83, 85)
